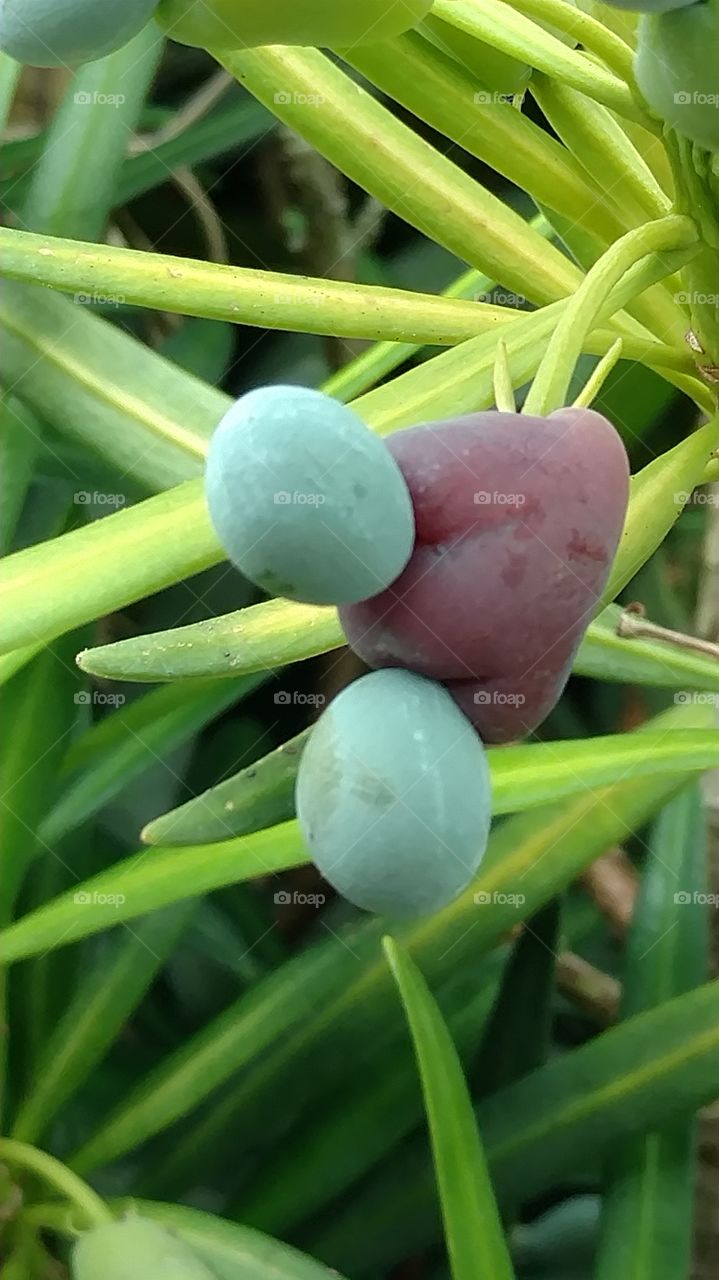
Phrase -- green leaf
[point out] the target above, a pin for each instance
(75, 181)
(104, 566)
(391, 162)
(259, 796)
(558, 1123)
(140, 884)
(517, 1037)
(658, 495)
(523, 777)
(648, 1215)
(500, 26)
(95, 1016)
(438, 90)
(473, 1231)
(267, 299)
(515, 868)
(122, 745)
(19, 447)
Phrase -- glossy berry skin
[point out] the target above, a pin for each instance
(518, 520)
(394, 795)
(676, 68)
(66, 33)
(307, 502)
(136, 1249)
(237, 24)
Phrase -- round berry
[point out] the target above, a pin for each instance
(307, 502)
(517, 522)
(57, 33)
(676, 68)
(394, 795)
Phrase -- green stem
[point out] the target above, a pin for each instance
(51, 1171)
(696, 196)
(667, 235)
(587, 31)
(514, 34)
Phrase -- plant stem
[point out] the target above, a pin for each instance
(503, 389)
(549, 389)
(633, 625)
(595, 383)
(51, 1171)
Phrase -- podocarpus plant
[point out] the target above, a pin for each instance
(204, 1070)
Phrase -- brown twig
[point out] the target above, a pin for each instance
(634, 625)
(613, 883)
(596, 993)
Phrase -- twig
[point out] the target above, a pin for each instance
(634, 625)
(595, 992)
(613, 883)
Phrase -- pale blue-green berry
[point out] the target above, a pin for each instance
(57, 33)
(307, 502)
(677, 69)
(394, 795)
(136, 1249)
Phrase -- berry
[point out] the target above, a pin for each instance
(307, 502)
(227, 24)
(135, 1249)
(676, 68)
(56, 33)
(517, 522)
(394, 795)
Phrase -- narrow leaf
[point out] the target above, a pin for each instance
(473, 1231)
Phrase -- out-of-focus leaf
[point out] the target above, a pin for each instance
(102, 1005)
(648, 1215)
(101, 763)
(515, 881)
